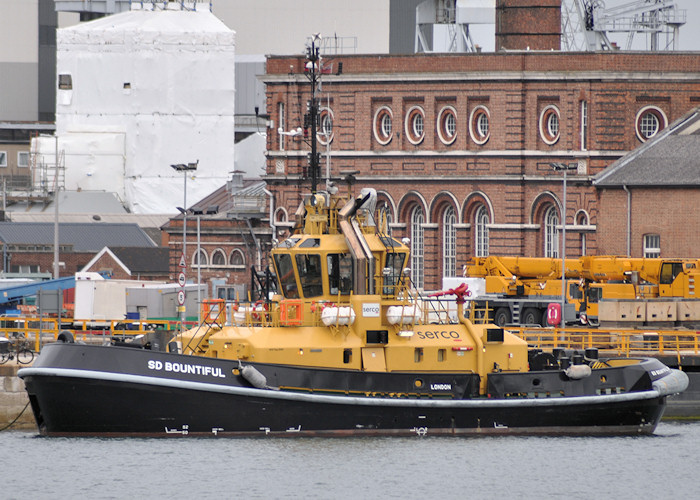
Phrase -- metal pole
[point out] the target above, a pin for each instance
(199, 277)
(183, 313)
(563, 253)
(55, 222)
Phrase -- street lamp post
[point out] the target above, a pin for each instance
(184, 168)
(563, 167)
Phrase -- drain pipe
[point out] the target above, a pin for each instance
(629, 219)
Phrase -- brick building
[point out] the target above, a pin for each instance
(234, 234)
(653, 193)
(138, 263)
(27, 247)
(460, 146)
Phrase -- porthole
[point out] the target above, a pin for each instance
(415, 125)
(479, 124)
(382, 125)
(549, 124)
(325, 126)
(650, 121)
(447, 125)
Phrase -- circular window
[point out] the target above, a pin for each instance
(650, 120)
(325, 126)
(415, 124)
(447, 125)
(479, 129)
(549, 124)
(382, 125)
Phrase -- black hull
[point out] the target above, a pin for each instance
(84, 390)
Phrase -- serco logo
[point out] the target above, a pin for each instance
(370, 310)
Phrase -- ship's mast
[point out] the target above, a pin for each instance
(313, 72)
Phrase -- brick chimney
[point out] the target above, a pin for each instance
(528, 24)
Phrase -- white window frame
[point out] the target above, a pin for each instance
(282, 125)
(236, 251)
(447, 125)
(548, 135)
(216, 252)
(584, 125)
(481, 231)
(3, 159)
(20, 155)
(476, 129)
(449, 242)
(382, 125)
(417, 249)
(639, 122)
(414, 125)
(551, 232)
(652, 246)
(195, 262)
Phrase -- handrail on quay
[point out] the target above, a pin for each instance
(40, 330)
(620, 342)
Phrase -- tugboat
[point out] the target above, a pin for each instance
(342, 345)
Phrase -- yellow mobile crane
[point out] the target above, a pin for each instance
(615, 290)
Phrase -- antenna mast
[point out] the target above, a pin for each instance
(313, 73)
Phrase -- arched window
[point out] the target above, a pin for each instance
(481, 231)
(200, 257)
(417, 220)
(449, 242)
(385, 218)
(551, 232)
(237, 258)
(218, 258)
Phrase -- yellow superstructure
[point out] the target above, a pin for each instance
(343, 301)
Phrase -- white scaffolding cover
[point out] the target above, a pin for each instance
(164, 81)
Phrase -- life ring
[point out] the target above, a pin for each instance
(259, 308)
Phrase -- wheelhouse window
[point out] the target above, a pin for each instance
(449, 242)
(340, 273)
(551, 232)
(417, 221)
(481, 232)
(549, 124)
(393, 271)
(447, 125)
(382, 125)
(479, 125)
(415, 125)
(286, 277)
(310, 272)
(649, 122)
(652, 246)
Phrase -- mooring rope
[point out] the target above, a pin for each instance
(16, 418)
